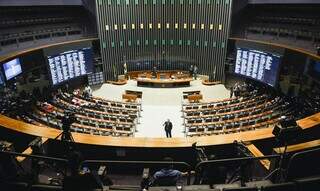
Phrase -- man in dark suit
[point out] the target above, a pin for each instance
(231, 92)
(168, 127)
(154, 72)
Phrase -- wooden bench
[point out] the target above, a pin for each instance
(129, 97)
(208, 83)
(195, 98)
(119, 82)
(138, 93)
(298, 147)
(186, 94)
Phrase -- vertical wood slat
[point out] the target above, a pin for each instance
(209, 59)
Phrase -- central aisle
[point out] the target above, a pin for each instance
(160, 104)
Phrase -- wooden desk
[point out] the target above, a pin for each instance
(168, 73)
(20, 126)
(197, 109)
(195, 98)
(208, 83)
(138, 93)
(130, 97)
(119, 82)
(299, 147)
(186, 94)
(163, 83)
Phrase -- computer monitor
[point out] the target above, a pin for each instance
(12, 68)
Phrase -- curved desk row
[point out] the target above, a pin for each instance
(51, 133)
(163, 83)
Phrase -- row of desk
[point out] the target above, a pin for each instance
(51, 133)
(163, 83)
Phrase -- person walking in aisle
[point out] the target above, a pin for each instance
(168, 127)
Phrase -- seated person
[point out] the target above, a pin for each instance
(76, 92)
(167, 176)
(47, 107)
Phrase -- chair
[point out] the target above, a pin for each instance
(208, 120)
(221, 111)
(215, 119)
(204, 107)
(206, 113)
(288, 186)
(198, 120)
(252, 122)
(213, 112)
(232, 116)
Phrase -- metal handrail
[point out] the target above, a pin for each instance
(183, 164)
(239, 159)
(200, 165)
(34, 156)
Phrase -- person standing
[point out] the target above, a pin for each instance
(191, 70)
(168, 127)
(125, 71)
(195, 72)
(154, 72)
(231, 92)
(87, 92)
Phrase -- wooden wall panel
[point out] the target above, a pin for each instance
(197, 31)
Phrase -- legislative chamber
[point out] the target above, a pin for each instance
(160, 95)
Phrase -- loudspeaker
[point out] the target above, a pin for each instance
(288, 122)
(286, 134)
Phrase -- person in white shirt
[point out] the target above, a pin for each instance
(88, 91)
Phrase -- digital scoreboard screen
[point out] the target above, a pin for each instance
(258, 65)
(70, 64)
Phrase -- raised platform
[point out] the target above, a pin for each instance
(163, 83)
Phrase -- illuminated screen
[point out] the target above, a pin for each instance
(258, 65)
(12, 68)
(70, 64)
